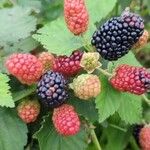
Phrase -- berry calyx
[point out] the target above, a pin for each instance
(47, 60)
(76, 16)
(52, 89)
(90, 61)
(86, 86)
(117, 36)
(25, 67)
(131, 79)
(68, 66)
(66, 120)
(28, 111)
(144, 138)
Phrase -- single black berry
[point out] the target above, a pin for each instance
(52, 89)
(117, 36)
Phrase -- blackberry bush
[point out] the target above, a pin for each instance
(64, 86)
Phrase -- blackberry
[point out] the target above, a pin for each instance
(52, 89)
(136, 132)
(117, 36)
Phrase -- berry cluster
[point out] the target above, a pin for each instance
(68, 66)
(54, 73)
(131, 79)
(117, 36)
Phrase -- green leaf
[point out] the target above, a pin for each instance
(49, 139)
(120, 143)
(33, 4)
(128, 59)
(13, 132)
(57, 38)
(84, 108)
(130, 109)
(124, 3)
(108, 100)
(5, 95)
(16, 23)
(99, 9)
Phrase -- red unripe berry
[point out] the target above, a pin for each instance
(76, 16)
(28, 111)
(68, 66)
(25, 67)
(66, 120)
(131, 79)
(144, 138)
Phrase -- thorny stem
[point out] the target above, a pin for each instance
(95, 140)
(146, 99)
(105, 72)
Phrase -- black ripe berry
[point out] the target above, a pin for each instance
(52, 89)
(117, 36)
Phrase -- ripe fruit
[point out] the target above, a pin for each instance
(68, 66)
(47, 60)
(86, 86)
(76, 16)
(142, 40)
(131, 79)
(25, 67)
(66, 120)
(52, 89)
(117, 36)
(144, 138)
(90, 61)
(28, 110)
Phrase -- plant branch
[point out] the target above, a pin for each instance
(117, 127)
(146, 99)
(105, 72)
(133, 144)
(95, 140)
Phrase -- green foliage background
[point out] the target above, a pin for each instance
(37, 25)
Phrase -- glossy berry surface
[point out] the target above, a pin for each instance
(117, 36)
(76, 16)
(131, 79)
(68, 66)
(25, 67)
(66, 120)
(28, 111)
(52, 89)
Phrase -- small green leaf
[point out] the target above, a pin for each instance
(130, 109)
(127, 59)
(49, 139)
(85, 108)
(5, 95)
(120, 143)
(99, 9)
(57, 38)
(16, 23)
(108, 100)
(13, 132)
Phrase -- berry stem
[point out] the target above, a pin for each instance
(86, 44)
(105, 72)
(95, 140)
(133, 144)
(117, 127)
(146, 99)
